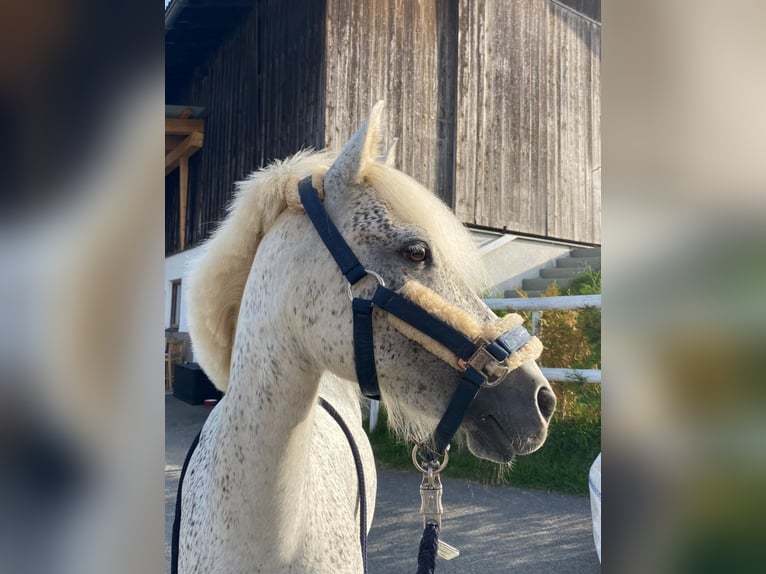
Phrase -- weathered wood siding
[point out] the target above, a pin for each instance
(172, 238)
(263, 88)
(403, 52)
(528, 119)
(496, 104)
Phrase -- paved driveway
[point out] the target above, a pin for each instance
(497, 529)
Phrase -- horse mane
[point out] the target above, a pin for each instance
(217, 279)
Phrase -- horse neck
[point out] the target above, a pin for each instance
(266, 424)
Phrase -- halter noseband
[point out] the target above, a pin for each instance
(483, 363)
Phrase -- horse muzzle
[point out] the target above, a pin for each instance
(511, 419)
(510, 414)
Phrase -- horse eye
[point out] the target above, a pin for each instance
(416, 252)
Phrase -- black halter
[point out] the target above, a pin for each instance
(481, 359)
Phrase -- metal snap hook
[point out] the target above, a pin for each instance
(377, 277)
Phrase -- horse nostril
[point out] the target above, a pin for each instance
(546, 402)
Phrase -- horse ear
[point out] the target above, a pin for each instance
(363, 146)
(389, 158)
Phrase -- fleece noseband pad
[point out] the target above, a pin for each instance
(433, 303)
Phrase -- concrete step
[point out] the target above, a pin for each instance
(543, 284)
(513, 294)
(586, 252)
(561, 272)
(568, 267)
(582, 262)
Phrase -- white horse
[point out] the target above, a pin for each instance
(272, 485)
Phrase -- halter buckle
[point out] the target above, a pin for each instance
(484, 363)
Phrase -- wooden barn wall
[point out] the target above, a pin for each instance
(171, 213)
(264, 92)
(528, 119)
(403, 52)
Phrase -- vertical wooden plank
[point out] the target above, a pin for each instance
(183, 192)
(171, 212)
(446, 102)
(463, 169)
(595, 119)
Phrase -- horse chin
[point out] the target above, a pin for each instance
(487, 439)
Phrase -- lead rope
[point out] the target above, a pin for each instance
(177, 518)
(429, 545)
(359, 475)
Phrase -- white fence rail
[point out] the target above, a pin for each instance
(572, 375)
(563, 303)
(536, 306)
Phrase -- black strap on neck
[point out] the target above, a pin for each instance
(176, 534)
(359, 477)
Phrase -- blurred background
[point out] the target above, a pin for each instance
(82, 105)
(683, 333)
(81, 231)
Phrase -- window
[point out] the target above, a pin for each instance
(175, 303)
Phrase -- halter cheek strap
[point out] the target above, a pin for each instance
(483, 363)
(353, 271)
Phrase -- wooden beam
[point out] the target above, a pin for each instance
(177, 126)
(183, 192)
(185, 149)
(171, 142)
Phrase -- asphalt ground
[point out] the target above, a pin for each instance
(497, 529)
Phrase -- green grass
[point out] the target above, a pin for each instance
(561, 465)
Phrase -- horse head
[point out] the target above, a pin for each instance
(415, 244)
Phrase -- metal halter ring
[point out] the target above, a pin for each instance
(436, 470)
(369, 272)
